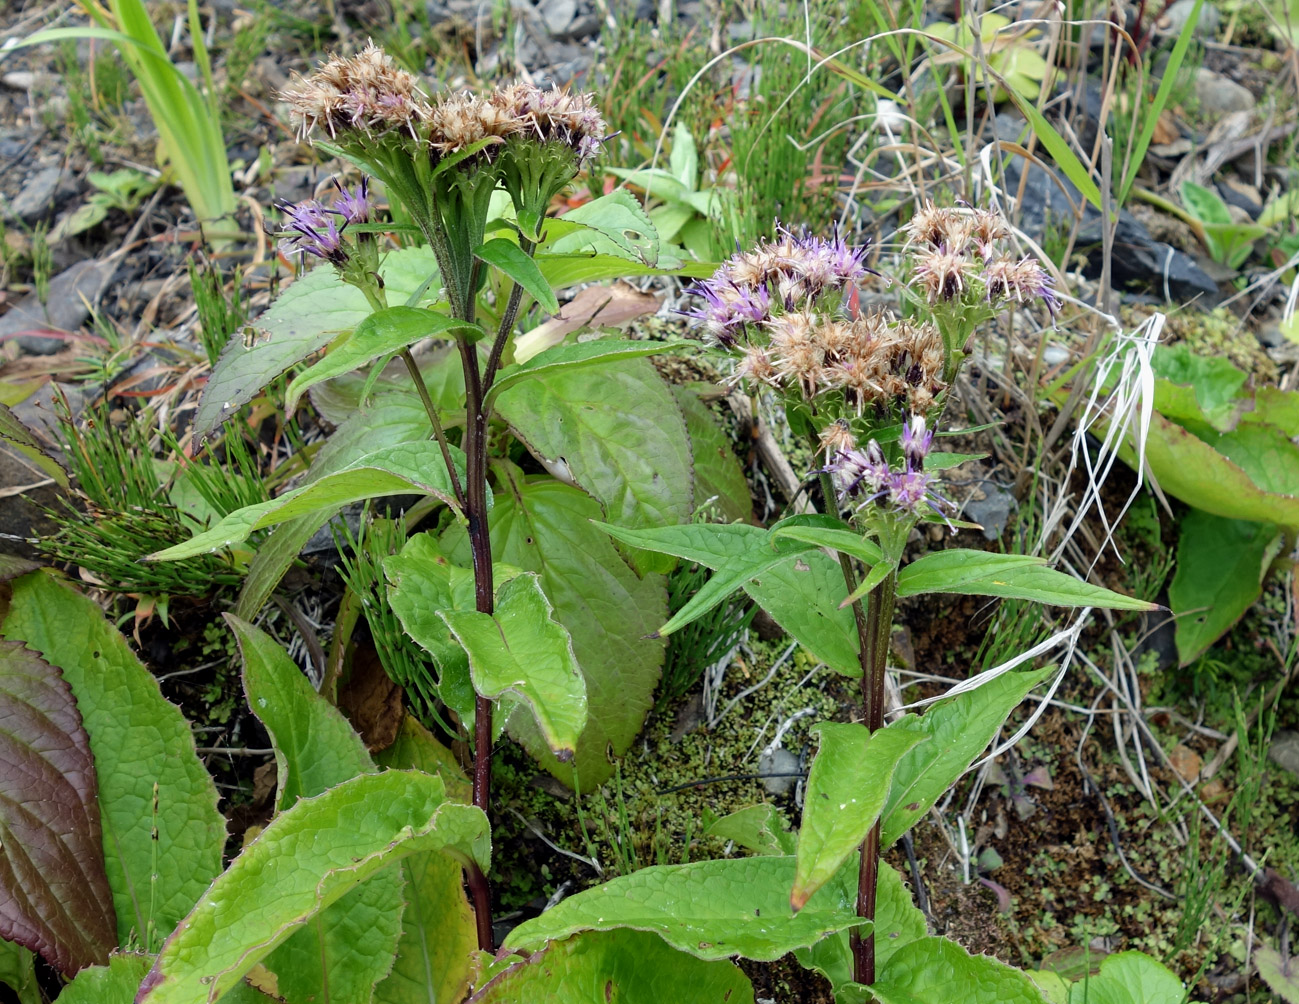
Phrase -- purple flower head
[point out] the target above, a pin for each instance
(859, 472)
(354, 207)
(909, 490)
(916, 440)
(728, 307)
(816, 264)
(312, 229)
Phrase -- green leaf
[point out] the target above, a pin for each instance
(115, 983)
(1213, 383)
(617, 967)
(614, 224)
(273, 559)
(54, 894)
(744, 912)
(1204, 204)
(521, 649)
(757, 828)
(306, 317)
(510, 259)
(396, 470)
(1220, 568)
(438, 936)
(306, 859)
(564, 270)
(846, 790)
(939, 971)
(22, 439)
(983, 573)
(616, 431)
(158, 863)
(684, 159)
(959, 730)
(351, 948)
(18, 973)
(542, 526)
(834, 537)
(380, 334)
(1281, 975)
(579, 355)
(799, 593)
(718, 474)
(1129, 978)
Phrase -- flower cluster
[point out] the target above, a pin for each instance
(958, 259)
(366, 93)
(313, 228)
(865, 476)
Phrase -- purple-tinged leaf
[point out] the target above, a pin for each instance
(54, 893)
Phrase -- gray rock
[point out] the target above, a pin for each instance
(557, 15)
(992, 511)
(1008, 127)
(36, 197)
(1174, 19)
(1270, 335)
(1284, 751)
(66, 309)
(778, 761)
(584, 26)
(1220, 96)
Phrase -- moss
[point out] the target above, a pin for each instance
(1218, 333)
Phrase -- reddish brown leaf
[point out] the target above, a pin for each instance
(54, 893)
(371, 701)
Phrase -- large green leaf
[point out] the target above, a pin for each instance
(718, 474)
(379, 334)
(308, 858)
(563, 270)
(984, 573)
(351, 945)
(305, 318)
(394, 470)
(939, 971)
(542, 526)
(616, 967)
(1220, 568)
(616, 431)
(521, 650)
(711, 909)
(846, 789)
(801, 592)
(958, 731)
(162, 833)
(579, 355)
(114, 983)
(54, 894)
(438, 938)
(614, 224)
(1129, 978)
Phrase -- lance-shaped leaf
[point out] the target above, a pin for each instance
(580, 355)
(54, 893)
(846, 790)
(352, 947)
(801, 592)
(306, 317)
(546, 527)
(939, 971)
(958, 731)
(614, 430)
(983, 573)
(438, 938)
(618, 967)
(711, 909)
(522, 650)
(22, 439)
(512, 260)
(396, 470)
(163, 835)
(758, 828)
(379, 334)
(306, 859)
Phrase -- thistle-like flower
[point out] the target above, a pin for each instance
(943, 273)
(1022, 281)
(864, 476)
(354, 206)
(313, 229)
(366, 93)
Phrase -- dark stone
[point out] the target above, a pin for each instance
(36, 198)
(992, 511)
(1138, 261)
(65, 309)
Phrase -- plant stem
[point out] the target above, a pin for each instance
(422, 388)
(508, 317)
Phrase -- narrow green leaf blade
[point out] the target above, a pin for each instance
(743, 910)
(983, 573)
(845, 541)
(54, 894)
(137, 739)
(564, 270)
(846, 790)
(503, 254)
(618, 967)
(396, 470)
(958, 730)
(577, 355)
(382, 333)
(522, 650)
(307, 858)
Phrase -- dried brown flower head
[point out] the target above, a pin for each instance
(461, 120)
(366, 93)
(936, 226)
(942, 274)
(837, 438)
